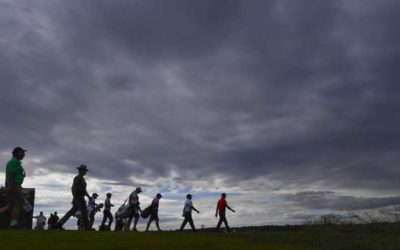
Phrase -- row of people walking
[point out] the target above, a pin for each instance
(85, 212)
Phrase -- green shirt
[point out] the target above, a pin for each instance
(14, 165)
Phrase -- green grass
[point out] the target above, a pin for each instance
(350, 237)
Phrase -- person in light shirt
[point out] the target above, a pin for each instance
(40, 221)
(187, 213)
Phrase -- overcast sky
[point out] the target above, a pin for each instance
(284, 105)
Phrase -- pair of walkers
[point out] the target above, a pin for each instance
(222, 205)
(133, 211)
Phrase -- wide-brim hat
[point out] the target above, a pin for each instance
(83, 167)
(95, 195)
(159, 195)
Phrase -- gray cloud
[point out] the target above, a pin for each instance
(333, 201)
(301, 93)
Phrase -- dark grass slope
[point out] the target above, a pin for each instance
(327, 237)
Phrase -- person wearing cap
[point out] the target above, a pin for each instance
(107, 212)
(15, 175)
(134, 208)
(92, 207)
(187, 213)
(222, 205)
(154, 212)
(79, 192)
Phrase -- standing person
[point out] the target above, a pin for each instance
(15, 175)
(92, 207)
(154, 212)
(40, 221)
(107, 212)
(134, 208)
(50, 222)
(187, 213)
(222, 205)
(56, 218)
(78, 202)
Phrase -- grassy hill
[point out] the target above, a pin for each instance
(348, 237)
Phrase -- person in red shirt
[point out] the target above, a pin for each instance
(222, 205)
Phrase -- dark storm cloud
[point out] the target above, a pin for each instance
(332, 201)
(297, 92)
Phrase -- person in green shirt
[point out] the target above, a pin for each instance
(15, 175)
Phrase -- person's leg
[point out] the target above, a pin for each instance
(184, 222)
(226, 224)
(71, 212)
(110, 217)
(157, 225)
(148, 223)
(84, 214)
(104, 218)
(135, 222)
(219, 223)
(191, 223)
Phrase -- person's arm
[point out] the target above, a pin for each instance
(195, 210)
(216, 211)
(230, 208)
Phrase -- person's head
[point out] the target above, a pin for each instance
(159, 196)
(138, 189)
(95, 195)
(55, 213)
(109, 195)
(82, 169)
(41, 213)
(19, 153)
(223, 195)
(51, 214)
(189, 196)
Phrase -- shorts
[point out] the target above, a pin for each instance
(15, 198)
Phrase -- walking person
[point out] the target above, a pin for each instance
(107, 213)
(40, 221)
(92, 207)
(154, 212)
(78, 202)
(15, 175)
(187, 213)
(222, 205)
(133, 209)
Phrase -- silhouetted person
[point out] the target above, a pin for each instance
(92, 209)
(50, 222)
(56, 218)
(187, 213)
(40, 221)
(78, 202)
(15, 175)
(222, 205)
(107, 212)
(154, 212)
(134, 208)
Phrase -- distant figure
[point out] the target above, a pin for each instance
(119, 216)
(92, 207)
(40, 221)
(187, 213)
(56, 218)
(15, 175)
(107, 212)
(50, 222)
(78, 202)
(133, 209)
(154, 212)
(222, 205)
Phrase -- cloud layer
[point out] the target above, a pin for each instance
(205, 96)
